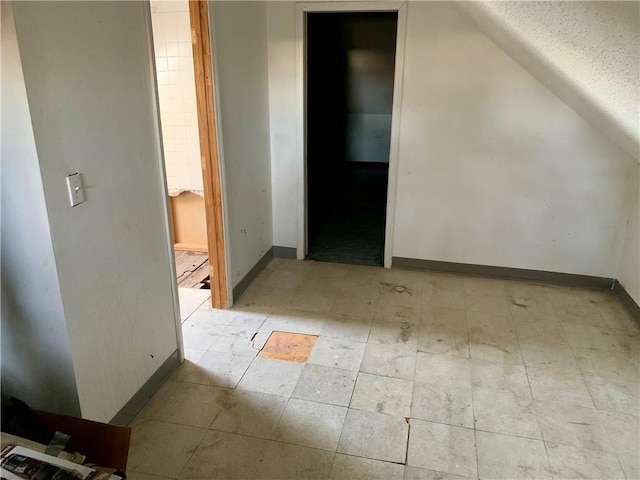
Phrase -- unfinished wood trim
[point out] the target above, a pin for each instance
(205, 99)
(190, 247)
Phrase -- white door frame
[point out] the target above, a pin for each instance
(301, 110)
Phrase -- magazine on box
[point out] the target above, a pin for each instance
(20, 463)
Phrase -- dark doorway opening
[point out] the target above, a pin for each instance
(350, 71)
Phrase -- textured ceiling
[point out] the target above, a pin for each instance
(587, 53)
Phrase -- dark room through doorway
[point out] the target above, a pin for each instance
(350, 72)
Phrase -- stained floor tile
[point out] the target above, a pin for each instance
(380, 394)
(311, 424)
(442, 448)
(282, 461)
(325, 385)
(347, 467)
(225, 455)
(527, 365)
(275, 377)
(251, 413)
(374, 435)
(160, 448)
(338, 353)
(503, 456)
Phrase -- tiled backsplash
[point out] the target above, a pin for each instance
(177, 95)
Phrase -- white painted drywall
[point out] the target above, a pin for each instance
(629, 272)
(587, 53)
(282, 121)
(87, 69)
(239, 36)
(493, 168)
(36, 361)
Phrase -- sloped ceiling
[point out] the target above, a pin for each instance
(587, 53)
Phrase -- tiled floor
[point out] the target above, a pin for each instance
(414, 376)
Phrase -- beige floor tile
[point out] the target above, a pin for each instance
(225, 455)
(394, 333)
(337, 353)
(131, 475)
(346, 467)
(311, 424)
(160, 448)
(500, 411)
(572, 425)
(452, 405)
(346, 328)
(292, 462)
(398, 361)
(274, 377)
(615, 365)
(374, 435)
(376, 393)
(571, 462)
(556, 355)
(190, 300)
(186, 403)
(614, 395)
(500, 376)
(550, 384)
(314, 300)
(215, 369)
(624, 433)
(484, 286)
(251, 413)
(442, 448)
(394, 312)
(355, 307)
(444, 330)
(487, 304)
(322, 384)
(502, 456)
(577, 345)
(443, 370)
(416, 473)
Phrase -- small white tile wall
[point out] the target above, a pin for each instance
(177, 96)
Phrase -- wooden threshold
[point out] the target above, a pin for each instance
(190, 247)
(205, 99)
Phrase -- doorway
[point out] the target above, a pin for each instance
(350, 67)
(185, 86)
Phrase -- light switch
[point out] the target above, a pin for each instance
(76, 192)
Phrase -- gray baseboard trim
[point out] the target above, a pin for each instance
(555, 278)
(135, 404)
(285, 252)
(627, 301)
(253, 273)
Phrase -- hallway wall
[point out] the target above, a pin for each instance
(36, 361)
(493, 168)
(93, 111)
(239, 38)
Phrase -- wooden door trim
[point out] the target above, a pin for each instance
(211, 171)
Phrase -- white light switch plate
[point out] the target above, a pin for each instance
(76, 192)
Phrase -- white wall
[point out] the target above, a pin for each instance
(87, 73)
(493, 168)
(586, 52)
(502, 172)
(282, 121)
(36, 362)
(629, 273)
(239, 37)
